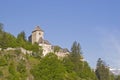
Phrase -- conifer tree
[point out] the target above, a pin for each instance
(118, 77)
(1, 27)
(76, 53)
(102, 71)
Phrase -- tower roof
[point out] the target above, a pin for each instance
(37, 28)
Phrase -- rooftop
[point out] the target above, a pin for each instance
(37, 28)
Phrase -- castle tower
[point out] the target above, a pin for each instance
(37, 34)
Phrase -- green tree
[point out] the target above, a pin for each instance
(7, 40)
(76, 67)
(80, 67)
(10, 40)
(21, 39)
(3, 61)
(69, 68)
(1, 27)
(118, 77)
(21, 68)
(56, 49)
(102, 71)
(112, 77)
(1, 74)
(21, 36)
(13, 75)
(50, 68)
(3, 40)
(76, 53)
(76, 56)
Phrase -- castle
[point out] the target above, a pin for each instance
(38, 37)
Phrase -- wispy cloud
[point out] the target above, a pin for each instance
(110, 44)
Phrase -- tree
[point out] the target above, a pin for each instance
(76, 56)
(102, 71)
(76, 49)
(21, 39)
(118, 77)
(7, 40)
(56, 49)
(3, 61)
(50, 68)
(21, 36)
(69, 68)
(1, 27)
(21, 68)
(1, 74)
(13, 75)
(76, 52)
(78, 66)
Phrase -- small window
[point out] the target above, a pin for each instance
(39, 33)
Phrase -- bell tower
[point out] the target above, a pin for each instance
(37, 34)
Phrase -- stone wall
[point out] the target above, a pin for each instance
(46, 48)
(24, 51)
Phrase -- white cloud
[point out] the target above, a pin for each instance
(110, 43)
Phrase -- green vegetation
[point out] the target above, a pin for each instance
(8, 40)
(56, 49)
(14, 65)
(49, 68)
(103, 72)
(118, 77)
(76, 68)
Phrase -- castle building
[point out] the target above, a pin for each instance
(38, 37)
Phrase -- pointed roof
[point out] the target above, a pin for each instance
(37, 28)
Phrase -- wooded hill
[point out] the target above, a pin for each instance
(14, 65)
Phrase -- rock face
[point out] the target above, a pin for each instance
(24, 51)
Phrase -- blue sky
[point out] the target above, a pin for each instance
(95, 24)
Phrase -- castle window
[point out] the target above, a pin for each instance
(39, 33)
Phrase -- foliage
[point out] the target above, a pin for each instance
(75, 57)
(50, 68)
(102, 71)
(118, 77)
(7, 40)
(3, 61)
(76, 68)
(21, 68)
(1, 27)
(22, 42)
(56, 49)
(76, 54)
(13, 75)
(1, 73)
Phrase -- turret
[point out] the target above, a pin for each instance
(37, 34)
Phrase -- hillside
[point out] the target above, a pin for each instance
(22, 60)
(15, 65)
